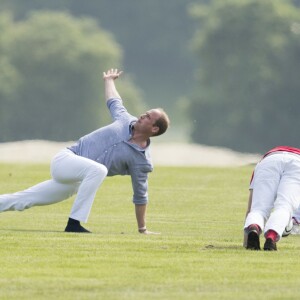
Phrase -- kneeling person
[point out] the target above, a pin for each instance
(274, 197)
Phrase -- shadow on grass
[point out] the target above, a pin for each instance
(218, 247)
(61, 231)
(32, 230)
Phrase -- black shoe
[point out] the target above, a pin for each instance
(253, 240)
(270, 245)
(76, 228)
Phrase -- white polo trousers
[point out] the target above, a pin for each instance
(71, 174)
(276, 192)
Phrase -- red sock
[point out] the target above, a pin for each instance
(254, 227)
(271, 234)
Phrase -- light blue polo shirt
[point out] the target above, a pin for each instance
(110, 146)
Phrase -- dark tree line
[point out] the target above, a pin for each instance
(233, 63)
(248, 92)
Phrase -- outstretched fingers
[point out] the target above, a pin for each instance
(112, 73)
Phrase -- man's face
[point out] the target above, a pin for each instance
(147, 120)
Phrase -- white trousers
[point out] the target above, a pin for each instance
(296, 215)
(71, 174)
(276, 192)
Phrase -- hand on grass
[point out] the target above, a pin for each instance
(149, 232)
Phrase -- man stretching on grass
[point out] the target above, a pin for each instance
(121, 148)
(274, 197)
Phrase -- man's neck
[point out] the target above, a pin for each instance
(141, 141)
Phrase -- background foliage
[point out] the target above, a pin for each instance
(248, 80)
(55, 62)
(226, 71)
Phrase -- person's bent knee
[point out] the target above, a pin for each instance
(98, 170)
(103, 170)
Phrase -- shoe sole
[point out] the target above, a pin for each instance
(253, 241)
(77, 230)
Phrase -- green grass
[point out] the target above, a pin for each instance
(199, 255)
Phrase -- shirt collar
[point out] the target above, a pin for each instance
(131, 127)
(137, 147)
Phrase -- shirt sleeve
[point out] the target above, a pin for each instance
(139, 180)
(116, 108)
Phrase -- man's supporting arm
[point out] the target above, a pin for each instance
(140, 212)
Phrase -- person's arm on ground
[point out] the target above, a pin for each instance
(109, 78)
(249, 203)
(247, 212)
(140, 212)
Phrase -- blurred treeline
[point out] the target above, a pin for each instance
(225, 70)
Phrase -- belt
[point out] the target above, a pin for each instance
(283, 152)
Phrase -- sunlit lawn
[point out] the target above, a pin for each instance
(199, 254)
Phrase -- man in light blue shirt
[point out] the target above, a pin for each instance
(121, 148)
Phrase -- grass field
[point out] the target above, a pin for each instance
(199, 254)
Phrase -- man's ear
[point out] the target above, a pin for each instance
(155, 129)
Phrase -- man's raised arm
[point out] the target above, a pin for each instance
(109, 78)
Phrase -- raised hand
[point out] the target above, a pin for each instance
(112, 74)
